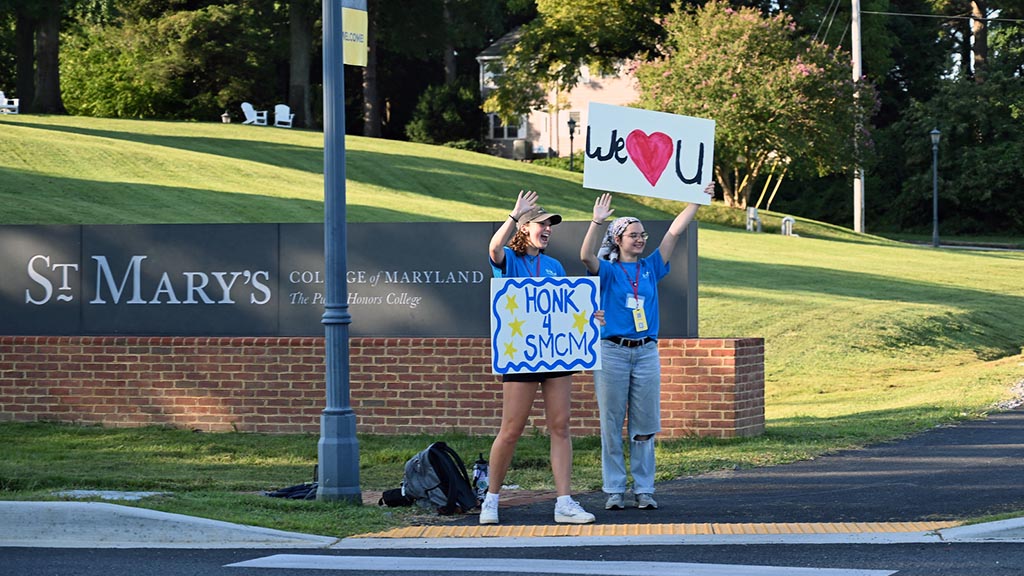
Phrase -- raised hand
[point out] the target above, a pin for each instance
(710, 188)
(524, 203)
(603, 207)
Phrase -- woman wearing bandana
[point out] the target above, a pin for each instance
(628, 386)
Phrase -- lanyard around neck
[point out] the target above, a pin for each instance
(535, 259)
(636, 282)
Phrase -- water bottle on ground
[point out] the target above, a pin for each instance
(480, 477)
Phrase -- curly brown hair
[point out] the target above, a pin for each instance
(520, 241)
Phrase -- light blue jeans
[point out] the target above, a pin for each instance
(629, 380)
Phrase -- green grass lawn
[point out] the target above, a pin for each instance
(866, 339)
(996, 241)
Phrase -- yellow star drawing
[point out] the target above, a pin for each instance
(510, 303)
(517, 327)
(510, 350)
(580, 321)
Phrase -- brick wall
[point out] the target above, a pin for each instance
(710, 387)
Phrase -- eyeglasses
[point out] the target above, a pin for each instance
(636, 236)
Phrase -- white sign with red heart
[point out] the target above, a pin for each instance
(648, 153)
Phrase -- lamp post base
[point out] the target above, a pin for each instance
(338, 456)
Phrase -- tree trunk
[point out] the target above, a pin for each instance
(449, 48)
(979, 33)
(47, 98)
(728, 186)
(964, 27)
(449, 64)
(25, 30)
(371, 95)
(300, 31)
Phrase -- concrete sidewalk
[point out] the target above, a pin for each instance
(105, 525)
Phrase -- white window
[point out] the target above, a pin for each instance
(487, 77)
(499, 131)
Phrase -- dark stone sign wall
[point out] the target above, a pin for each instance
(404, 279)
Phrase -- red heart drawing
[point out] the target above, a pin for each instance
(649, 153)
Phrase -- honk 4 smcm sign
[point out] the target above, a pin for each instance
(649, 153)
(544, 324)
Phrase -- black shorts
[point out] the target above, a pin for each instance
(534, 376)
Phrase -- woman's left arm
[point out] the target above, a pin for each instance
(595, 233)
(678, 226)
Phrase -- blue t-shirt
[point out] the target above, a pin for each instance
(617, 293)
(526, 265)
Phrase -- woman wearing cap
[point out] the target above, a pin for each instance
(526, 232)
(630, 375)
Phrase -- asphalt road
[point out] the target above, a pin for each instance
(975, 559)
(969, 470)
(948, 473)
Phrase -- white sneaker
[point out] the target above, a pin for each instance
(572, 513)
(489, 512)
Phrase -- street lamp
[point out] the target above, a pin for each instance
(935, 134)
(338, 448)
(572, 131)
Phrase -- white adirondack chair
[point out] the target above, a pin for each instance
(283, 116)
(253, 116)
(8, 105)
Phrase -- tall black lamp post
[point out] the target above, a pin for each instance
(572, 132)
(935, 134)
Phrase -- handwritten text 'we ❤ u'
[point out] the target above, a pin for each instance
(650, 153)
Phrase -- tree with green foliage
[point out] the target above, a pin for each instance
(979, 116)
(37, 48)
(8, 57)
(178, 64)
(564, 35)
(425, 37)
(772, 94)
(980, 172)
(979, 177)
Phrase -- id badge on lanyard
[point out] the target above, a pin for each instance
(635, 302)
(639, 319)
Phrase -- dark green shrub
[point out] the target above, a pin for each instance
(562, 162)
(471, 145)
(446, 113)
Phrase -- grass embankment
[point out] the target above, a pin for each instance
(866, 339)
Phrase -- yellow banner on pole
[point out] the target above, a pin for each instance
(354, 23)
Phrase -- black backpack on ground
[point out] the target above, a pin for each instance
(436, 478)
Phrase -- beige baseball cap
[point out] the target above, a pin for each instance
(538, 214)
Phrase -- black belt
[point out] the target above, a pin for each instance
(629, 342)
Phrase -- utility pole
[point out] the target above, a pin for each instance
(858, 172)
(935, 135)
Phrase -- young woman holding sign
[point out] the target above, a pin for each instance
(526, 232)
(630, 377)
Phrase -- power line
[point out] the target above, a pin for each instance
(1013, 20)
(842, 37)
(832, 9)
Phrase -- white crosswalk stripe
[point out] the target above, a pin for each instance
(533, 566)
